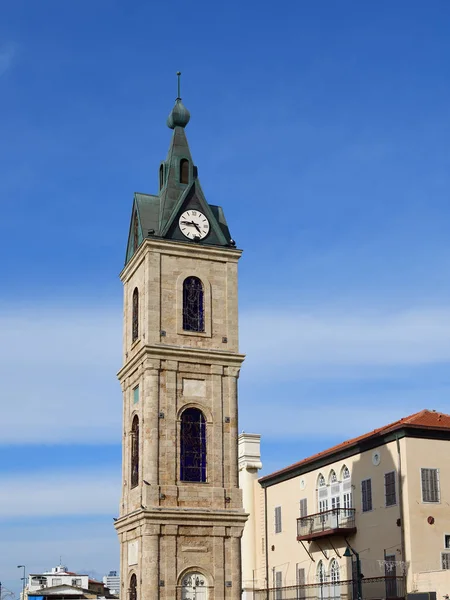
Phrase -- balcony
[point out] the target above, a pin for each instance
(338, 521)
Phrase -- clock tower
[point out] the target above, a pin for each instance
(181, 515)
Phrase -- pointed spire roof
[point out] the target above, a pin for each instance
(179, 189)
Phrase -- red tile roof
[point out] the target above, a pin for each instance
(425, 419)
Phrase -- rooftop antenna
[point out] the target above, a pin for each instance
(179, 85)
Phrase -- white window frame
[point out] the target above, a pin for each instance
(447, 560)
(438, 485)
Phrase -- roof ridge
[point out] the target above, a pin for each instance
(411, 420)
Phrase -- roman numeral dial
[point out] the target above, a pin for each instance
(193, 224)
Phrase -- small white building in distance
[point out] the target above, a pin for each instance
(61, 583)
(112, 582)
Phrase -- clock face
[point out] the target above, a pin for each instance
(194, 224)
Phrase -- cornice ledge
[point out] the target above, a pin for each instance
(193, 355)
(167, 516)
(180, 249)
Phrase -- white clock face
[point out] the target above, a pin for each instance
(194, 224)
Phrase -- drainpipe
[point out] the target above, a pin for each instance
(266, 543)
(400, 502)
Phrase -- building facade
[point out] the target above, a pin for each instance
(181, 514)
(373, 510)
(112, 582)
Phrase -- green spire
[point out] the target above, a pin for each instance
(173, 187)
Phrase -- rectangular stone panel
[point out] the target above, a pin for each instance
(194, 388)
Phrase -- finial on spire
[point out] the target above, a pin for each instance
(179, 116)
(179, 84)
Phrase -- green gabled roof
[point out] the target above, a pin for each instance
(157, 216)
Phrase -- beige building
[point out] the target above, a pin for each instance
(378, 505)
(181, 514)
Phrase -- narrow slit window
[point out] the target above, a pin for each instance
(135, 324)
(184, 170)
(135, 452)
(193, 446)
(193, 305)
(366, 493)
(135, 231)
(161, 177)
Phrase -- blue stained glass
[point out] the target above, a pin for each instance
(136, 395)
(193, 446)
(193, 305)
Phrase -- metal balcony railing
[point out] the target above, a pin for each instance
(337, 521)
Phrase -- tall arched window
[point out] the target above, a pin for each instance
(193, 305)
(161, 177)
(135, 452)
(335, 490)
(135, 324)
(133, 588)
(322, 495)
(335, 588)
(321, 579)
(184, 171)
(347, 500)
(193, 446)
(135, 231)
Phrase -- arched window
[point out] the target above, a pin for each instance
(193, 446)
(133, 588)
(135, 231)
(193, 305)
(161, 177)
(135, 452)
(335, 587)
(322, 495)
(333, 478)
(321, 579)
(347, 499)
(135, 323)
(184, 171)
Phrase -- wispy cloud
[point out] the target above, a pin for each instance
(58, 376)
(299, 343)
(7, 55)
(50, 494)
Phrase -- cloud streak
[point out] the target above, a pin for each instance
(7, 55)
(72, 492)
(57, 367)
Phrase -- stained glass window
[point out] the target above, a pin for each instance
(135, 452)
(135, 325)
(184, 171)
(193, 446)
(133, 587)
(193, 305)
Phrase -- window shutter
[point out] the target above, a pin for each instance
(366, 489)
(277, 519)
(389, 489)
(303, 507)
(445, 560)
(430, 485)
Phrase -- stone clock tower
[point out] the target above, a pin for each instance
(181, 515)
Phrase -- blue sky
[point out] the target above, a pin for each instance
(322, 128)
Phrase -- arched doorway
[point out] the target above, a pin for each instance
(194, 586)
